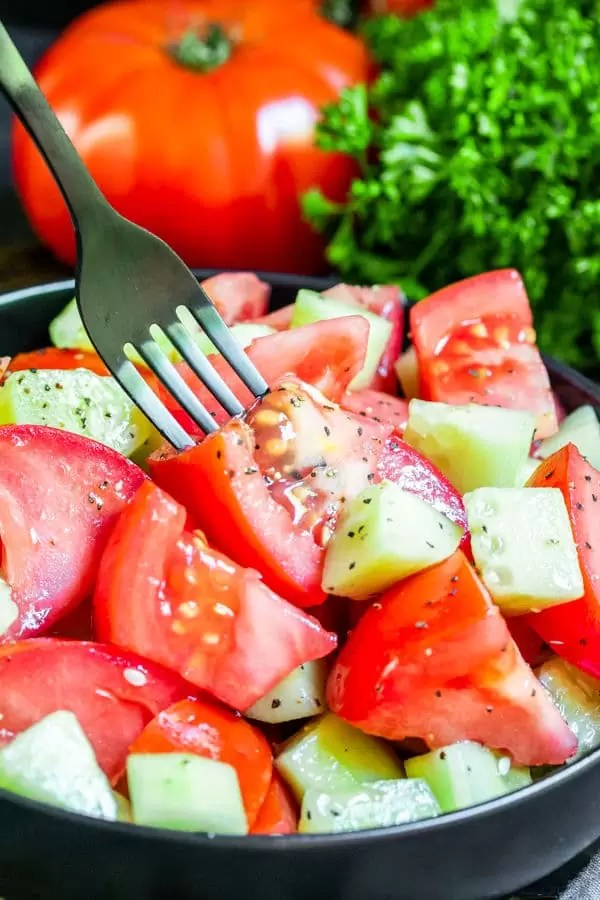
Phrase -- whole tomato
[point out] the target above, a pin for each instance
(196, 118)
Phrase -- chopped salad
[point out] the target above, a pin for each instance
(373, 598)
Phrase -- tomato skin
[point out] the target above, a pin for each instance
(278, 814)
(196, 726)
(47, 478)
(572, 630)
(326, 355)
(238, 296)
(57, 358)
(433, 659)
(378, 406)
(475, 344)
(223, 186)
(531, 646)
(163, 593)
(94, 681)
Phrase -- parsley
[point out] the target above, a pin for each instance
(479, 148)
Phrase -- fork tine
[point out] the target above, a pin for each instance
(213, 325)
(144, 397)
(172, 380)
(200, 365)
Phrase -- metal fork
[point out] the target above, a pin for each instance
(128, 281)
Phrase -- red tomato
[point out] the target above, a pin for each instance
(195, 726)
(113, 693)
(413, 472)
(162, 592)
(530, 644)
(278, 814)
(279, 319)
(326, 355)
(433, 659)
(379, 406)
(60, 495)
(214, 159)
(475, 344)
(573, 629)
(238, 296)
(386, 301)
(55, 358)
(404, 8)
(267, 491)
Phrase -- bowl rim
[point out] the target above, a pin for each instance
(294, 843)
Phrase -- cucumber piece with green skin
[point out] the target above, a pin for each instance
(330, 755)
(523, 547)
(313, 307)
(299, 695)
(75, 400)
(577, 697)
(377, 805)
(467, 773)
(385, 534)
(53, 762)
(185, 792)
(581, 428)
(474, 446)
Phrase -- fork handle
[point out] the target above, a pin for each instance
(77, 186)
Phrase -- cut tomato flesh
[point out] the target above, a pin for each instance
(572, 630)
(377, 406)
(57, 358)
(164, 593)
(238, 296)
(433, 659)
(278, 814)
(475, 344)
(113, 693)
(196, 726)
(60, 495)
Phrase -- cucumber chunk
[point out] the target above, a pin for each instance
(313, 307)
(330, 755)
(523, 547)
(76, 400)
(474, 446)
(244, 332)
(529, 467)
(384, 535)
(577, 697)
(466, 773)
(407, 373)
(123, 807)
(185, 792)
(299, 695)
(581, 428)
(376, 805)
(53, 762)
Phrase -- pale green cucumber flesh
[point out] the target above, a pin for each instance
(523, 547)
(581, 428)
(185, 792)
(465, 774)
(331, 756)
(313, 307)
(53, 762)
(299, 695)
(474, 446)
(385, 534)
(377, 805)
(76, 400)
(577, 698)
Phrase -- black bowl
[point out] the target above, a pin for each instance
(488, 851)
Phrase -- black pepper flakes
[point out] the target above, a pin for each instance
(367, 500)
(579, 506)
(351, 534)
(327, 430)
(438, 693)
(275, 703)
(219, 454)
(351, 565)
(549, 474)
(583, 642)
(587, 477)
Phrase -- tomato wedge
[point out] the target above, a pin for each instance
(113, 693)
(278, 814)
(238, 296)
(434, 659)
(196, 726)
(475, 344)
(386, 301)
(531, 646)
(162, 592)
(573, 629)
(60, 495)
(267, 490)
(326, 355)
(57, 358)
(378, 406)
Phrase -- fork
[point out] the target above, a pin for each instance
(128, 282)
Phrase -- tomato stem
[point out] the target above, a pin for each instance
(203, 52)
